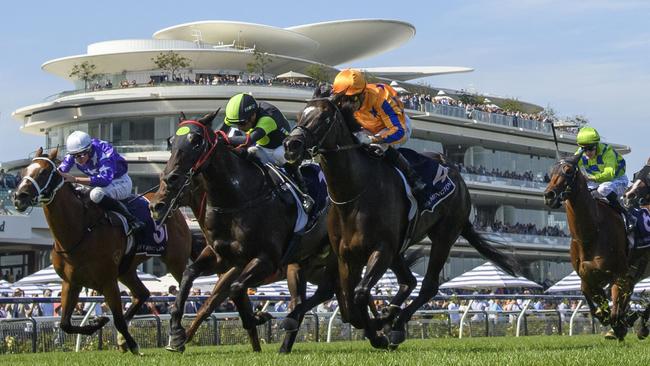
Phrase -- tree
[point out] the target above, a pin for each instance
(319, 74)
(261, 60)
(171, 62)
(512, 105)
(470, 99)
(85, 72)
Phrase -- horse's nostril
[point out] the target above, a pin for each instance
(549, 195)
(295, 144)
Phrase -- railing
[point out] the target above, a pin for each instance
(506, 182)
(170, 84)
(511, 238)
(42, 334)
(487, 117)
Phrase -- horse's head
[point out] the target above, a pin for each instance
(639, 193)
(191, 147)
(319, 127)
(563, 178)
(40, 182)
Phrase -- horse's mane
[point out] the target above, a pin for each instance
(347, 110)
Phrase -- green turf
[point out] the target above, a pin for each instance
(539, 350)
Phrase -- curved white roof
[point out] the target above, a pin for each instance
(263, 37)
(228, 45)
(405, 73)
(343, 41)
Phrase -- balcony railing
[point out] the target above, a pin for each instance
(509, 238)
(507, 182)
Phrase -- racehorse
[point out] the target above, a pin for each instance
(599, 249)
(367, 223)
(89, 246)
(248, 222)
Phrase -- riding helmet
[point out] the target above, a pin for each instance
(240, 108)
(78, 141)
(588, 136)
(350, 82)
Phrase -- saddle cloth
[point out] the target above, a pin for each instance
(152, 239)
(439, 185)
(642, 229)
(317, 190)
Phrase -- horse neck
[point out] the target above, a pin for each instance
(582, 211)
(231, 179)
(63, 215)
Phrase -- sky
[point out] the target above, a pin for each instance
(590, 58)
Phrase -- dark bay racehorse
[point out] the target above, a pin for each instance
(599, 249)
(368, 221)
(89, 247)
(248, 223)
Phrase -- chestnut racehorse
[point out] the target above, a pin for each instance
(89, 246)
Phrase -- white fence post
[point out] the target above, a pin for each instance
(83, 322)
(462, 318)
(573, 316)
(521, 316)
(330, 323)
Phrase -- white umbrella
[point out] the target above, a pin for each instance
(293, 75)
(487, 276)
(387, 284)
(570, 283)
(205, 283)
(44, 276)
(274, 289)
(643, 286)
(163, 283)
(5, 287)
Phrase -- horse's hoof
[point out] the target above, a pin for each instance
(642, 333)
(611, 335)
(136, 351)
(171, 348)
(397, 337)
(99, 322)
(379, 342)
(121, 343)
(289, 325)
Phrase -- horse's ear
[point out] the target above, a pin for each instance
(39, 152)
(209, 118)
(53, 153)
(647, 162)
(182, 117)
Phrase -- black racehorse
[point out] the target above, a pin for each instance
(248, 220)
(368, 221)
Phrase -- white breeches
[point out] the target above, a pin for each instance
(119, 189)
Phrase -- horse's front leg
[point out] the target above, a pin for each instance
(69, 299)
(218, 295)
(621, 292)
(407, 284)
(597, 302)
(255, 272)
(376, 266)
(202, 266)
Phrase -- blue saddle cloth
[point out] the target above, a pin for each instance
(642, 232)
(315, 181)
(152, 239)
(438, 184)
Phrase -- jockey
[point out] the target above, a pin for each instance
(604, 166)
(265, 129)
(106, 173)
(380, 112)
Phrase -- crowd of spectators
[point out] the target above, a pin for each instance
(526, 175)
(9, 181)
(522, 229)
(418, 101)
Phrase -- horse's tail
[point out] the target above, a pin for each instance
(198, 243)
(483, 246)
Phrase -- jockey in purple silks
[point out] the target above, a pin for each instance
(106, 174)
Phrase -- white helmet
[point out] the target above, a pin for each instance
(78, 141)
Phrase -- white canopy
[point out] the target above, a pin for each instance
(643, 285)
(293, 75)
(570, 283)
(487, 276)
(163, 283)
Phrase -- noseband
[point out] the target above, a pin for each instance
(569, 178)
(42, 197)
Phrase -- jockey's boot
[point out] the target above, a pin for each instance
(412, 177)
(630, 220)
(296, 175)
(111, 204)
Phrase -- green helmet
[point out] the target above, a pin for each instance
(240, 108)
(588, 136)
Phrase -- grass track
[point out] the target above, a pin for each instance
(540, 350)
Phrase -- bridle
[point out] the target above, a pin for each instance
(569, 179)
(209, 143)
(310, 136)
(42, 196)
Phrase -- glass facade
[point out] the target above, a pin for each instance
(505, 161)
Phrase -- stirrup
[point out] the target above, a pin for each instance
(307, 203)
